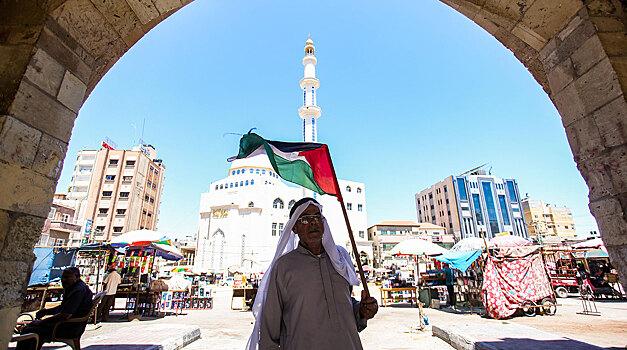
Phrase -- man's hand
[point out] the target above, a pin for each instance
(368, 306)
(41, 313)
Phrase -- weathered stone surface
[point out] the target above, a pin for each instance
(105, 62)
(12, 275)
(529, 36)
(8, 316)
(547, 17)
(24, 232)
(569, 105)
(165, 6)
(586, 56)
(609, 213)
(584, 138)
(602, 8)
(607, 24)
(18, 142)
(4, 226)
(86, 25)
(72, 92)
(42, 112)
(120, 15)
(57, 49)
(611, 121)
(598, 86)
(598, 178)
(615, 43)
(144, 9)
(13, 62)
(50, 155)
(618, 257)
(561, 75)
(617, 163)
(45, 72)
(24, 190)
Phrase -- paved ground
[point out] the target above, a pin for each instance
(393, 328)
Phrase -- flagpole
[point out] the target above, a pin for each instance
(348, 226)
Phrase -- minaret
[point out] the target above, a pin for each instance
(310, 112)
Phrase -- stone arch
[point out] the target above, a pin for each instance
(55, 52)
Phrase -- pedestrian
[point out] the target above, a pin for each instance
(304, 299)
(111, 282)
(450, 285)
(76, 303)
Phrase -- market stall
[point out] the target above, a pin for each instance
(515, 279)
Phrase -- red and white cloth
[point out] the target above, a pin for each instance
(508, 282)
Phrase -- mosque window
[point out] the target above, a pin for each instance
(251, 204)
(263, 172)
(304, 96)
(291, 204)
(358, 189)
(216, 187)
(274, 229)
(348, 188)
(241, 183)
(250, 170)
(246, 183)
(277, 204)
(360, 207)
(237, 172)
(257, 171)
(221, 186)
(252, 182)
(233, 172)
(231, 185)
(236, 184)
(349, 206)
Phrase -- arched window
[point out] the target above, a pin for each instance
(252, 182)
(246, 183)
(358, 189)
(236, 184)
(221, 187)
(263, 172)
(216, 187)
(241, 183)
(250, 170)
(348, 188)
(231, 185)
(233, 172)
(277, 204)
(238, 171)
(251, 204)
(291, 204)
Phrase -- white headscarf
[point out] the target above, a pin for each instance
(288, 241)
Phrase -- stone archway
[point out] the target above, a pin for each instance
(53, 53)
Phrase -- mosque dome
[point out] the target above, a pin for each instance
(260, 161)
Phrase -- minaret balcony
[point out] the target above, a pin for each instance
(306, 112)
(309, 82)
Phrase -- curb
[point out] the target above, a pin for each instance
(456, 340)
(182, 340)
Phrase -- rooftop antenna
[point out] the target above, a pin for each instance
(473, 170)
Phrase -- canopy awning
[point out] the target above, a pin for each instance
(417, 247)
(459, 259)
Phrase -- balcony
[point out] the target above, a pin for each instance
(64, 226)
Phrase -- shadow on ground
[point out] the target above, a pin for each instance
(529, 344)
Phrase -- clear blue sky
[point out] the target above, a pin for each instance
(411, 92)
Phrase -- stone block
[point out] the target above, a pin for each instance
(13, 62)
(584, 138)
(597, 176)
(615, 43)
(529, 36)
(86, 25)
(24, 232)
(45, 72)
(4, 226)
(72, 92)
(547, 18)
(620, 67)
(144, 9)
(611, 220)
(8, 316)
(511, 10)
(617, 163)
(598, 86)
(569, 105)
(123, 19)
(561, 75)
(43, 112)
(574, 40)
(50, 155)
(607, 24)
(602, 8)
(12, 277)
(24, 190)
(586, 56)
(57, 49)
(105, 62)
(18, 142)
(611, 121)
(165, 6)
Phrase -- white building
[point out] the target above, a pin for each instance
(243, 214)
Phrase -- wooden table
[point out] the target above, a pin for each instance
(387, 294)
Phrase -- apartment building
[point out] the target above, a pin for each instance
(546, 220)
(116, 191)
(474, 204)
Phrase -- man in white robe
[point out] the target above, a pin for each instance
(308, 303)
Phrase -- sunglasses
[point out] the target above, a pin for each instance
(309, 219)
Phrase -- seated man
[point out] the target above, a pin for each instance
(77, 302)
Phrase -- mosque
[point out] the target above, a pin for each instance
(243, 214)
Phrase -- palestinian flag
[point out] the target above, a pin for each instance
(306, 164)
